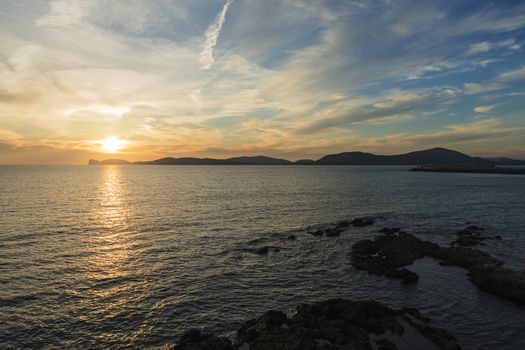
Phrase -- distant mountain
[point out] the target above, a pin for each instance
(187, 161)
(109, 162)
(507, 161)
(305, 162)
(259, 160)
(434, 156)
(256, 160)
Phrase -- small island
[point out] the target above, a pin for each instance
(470, 169)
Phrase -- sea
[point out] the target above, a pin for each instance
(130, 257)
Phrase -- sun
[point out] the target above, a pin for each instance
(112, 144)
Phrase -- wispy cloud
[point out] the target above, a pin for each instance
(63, 13)
(210, 37)
(484, 109)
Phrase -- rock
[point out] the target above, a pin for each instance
(360, 222)
(469, 237)
(500, 281)
(316, 232)
(333, 232)
(438, 336)
(343, 223)
(384, 344)
(335, 324)
(195, 340)
(262, 251)
(291, 238)
(387, 254)
(389, 231)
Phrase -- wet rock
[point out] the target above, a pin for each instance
(390, 231)
(262, 251)
(470, 236)
(360, 222)
(387, 254)
(335, 324)
(316, 232)
(266, 250)
(385, 344)
(195, 340)
(333, 231)
(343, 223)
(438, 336)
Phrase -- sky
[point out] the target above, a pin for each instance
(292, 79)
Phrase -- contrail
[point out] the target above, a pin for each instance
(211, 36)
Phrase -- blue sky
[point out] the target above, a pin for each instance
(287, 78)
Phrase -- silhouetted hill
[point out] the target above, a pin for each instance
(305, 162)
(507, 161)
(435, 156)
(187, 161)
(259, 160)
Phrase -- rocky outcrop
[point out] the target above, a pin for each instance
(471, 236)
(334, 230)
(195, 340)
(335, 324)
(388, 254)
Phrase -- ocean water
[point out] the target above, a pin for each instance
(126, 257)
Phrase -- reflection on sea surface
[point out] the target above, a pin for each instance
(126, 257)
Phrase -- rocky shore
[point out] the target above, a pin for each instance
(339, 324)
(335, 324)
(389, 253)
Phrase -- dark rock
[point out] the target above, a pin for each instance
(360, 222)
(438, 336)
(385, 344)
(195, 340)
(389, 231)
(333, 232)
(316, 232)
(335, 324)
(469, 237)
(291, 238)
(343, 223)
(262, 251)
(388, 253)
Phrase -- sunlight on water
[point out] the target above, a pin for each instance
(130, 257)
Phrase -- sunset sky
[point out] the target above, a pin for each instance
(284, 78)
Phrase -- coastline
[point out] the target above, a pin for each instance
(469, 169)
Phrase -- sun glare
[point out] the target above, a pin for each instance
(112, 144)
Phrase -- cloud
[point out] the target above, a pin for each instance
(211, 36)
(484, 109)
(516, 74)
(476, 88)
(481, 47)
(394, 107)
(63, 13)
